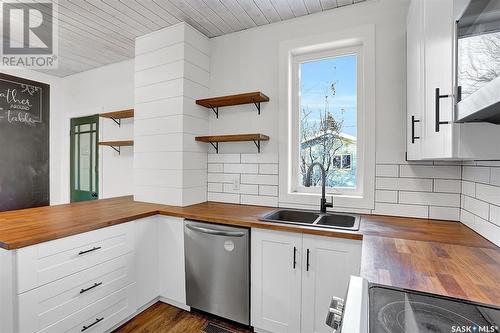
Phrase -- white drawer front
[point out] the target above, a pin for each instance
(46, 305)
(46, 262)
(104, 314)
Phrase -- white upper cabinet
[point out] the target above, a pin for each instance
(431, 89)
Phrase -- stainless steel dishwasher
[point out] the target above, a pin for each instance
(218, 270)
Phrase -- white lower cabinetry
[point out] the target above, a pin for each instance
(94, 281)
(288, 297)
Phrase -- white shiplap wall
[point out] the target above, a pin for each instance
(171, 70)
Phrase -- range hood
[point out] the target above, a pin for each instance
(481, 106)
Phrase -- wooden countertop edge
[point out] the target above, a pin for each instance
(74, 231)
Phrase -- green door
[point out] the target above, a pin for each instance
(84, 158)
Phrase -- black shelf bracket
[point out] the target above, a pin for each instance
(257, 105)
(215, 109)
(257, 144)
(215, 145)
(117, 149)
(117, 121)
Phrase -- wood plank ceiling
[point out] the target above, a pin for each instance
(93, 33)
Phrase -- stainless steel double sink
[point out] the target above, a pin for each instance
(314, 219)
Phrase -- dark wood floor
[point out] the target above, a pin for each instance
(162, 317)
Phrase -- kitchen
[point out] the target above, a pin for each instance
(191, 133)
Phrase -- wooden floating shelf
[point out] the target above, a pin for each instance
(215, 139)
(246, 98)
(117, 116)
(116, 145)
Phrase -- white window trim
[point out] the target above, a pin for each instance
(363, 38)
(297, 60)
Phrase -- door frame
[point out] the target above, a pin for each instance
(74, 122)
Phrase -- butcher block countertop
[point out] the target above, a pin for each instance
(440, 257)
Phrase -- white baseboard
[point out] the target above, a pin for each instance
(175, 303)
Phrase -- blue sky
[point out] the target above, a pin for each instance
(316, 79)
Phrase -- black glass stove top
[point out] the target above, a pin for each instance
(401, 311)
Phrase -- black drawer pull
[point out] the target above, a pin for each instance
(90, 288)
(438, 117)
(97, 321)
(88, 251)
(413, 121)
(294, 257)
(307, 261)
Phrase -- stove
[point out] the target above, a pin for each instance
(394, 310)
(374, 308)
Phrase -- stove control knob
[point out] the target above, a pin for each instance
(337, 303)
(334, 319)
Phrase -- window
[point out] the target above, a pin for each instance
(327, 114)
(326, 109)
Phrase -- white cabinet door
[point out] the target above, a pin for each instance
(439, 27)
(326, 273)
(171, 260)
(275, 282)
(415, 80)
(146, 260)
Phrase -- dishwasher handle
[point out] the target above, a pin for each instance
(215, 232)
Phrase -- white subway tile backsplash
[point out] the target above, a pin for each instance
(476, 174)
(387, 170)
(401, 210)
(215, 167)
(259, 179)
(241, 168)
(268, 169)
(476, 207)
(223, 158)
(495, 215)
(222, 177)
(408, 184)
(386, 196)
(268, 190)
(224, 197)
(444, 213)
(260, 158)
(431, 199)
(495, 176)
(259, 200)
(243, 189)
(428, 171)
(468, 188)
(447, 185)
(215, 187)
(488, 193)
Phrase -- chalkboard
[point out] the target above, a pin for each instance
(24, 143)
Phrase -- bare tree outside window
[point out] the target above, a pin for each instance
(328, 120)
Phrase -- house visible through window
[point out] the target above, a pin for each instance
(327, 103)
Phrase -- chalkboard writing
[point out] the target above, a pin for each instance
(20, 102)
(24, 143)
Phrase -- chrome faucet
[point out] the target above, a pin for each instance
(323, 203)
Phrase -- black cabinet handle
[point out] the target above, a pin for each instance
(97, 321)
(438, 121)
(307, 260)
(294, 257)
(88, 251)
(90, 288)
(94, 195)
(413, 121)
